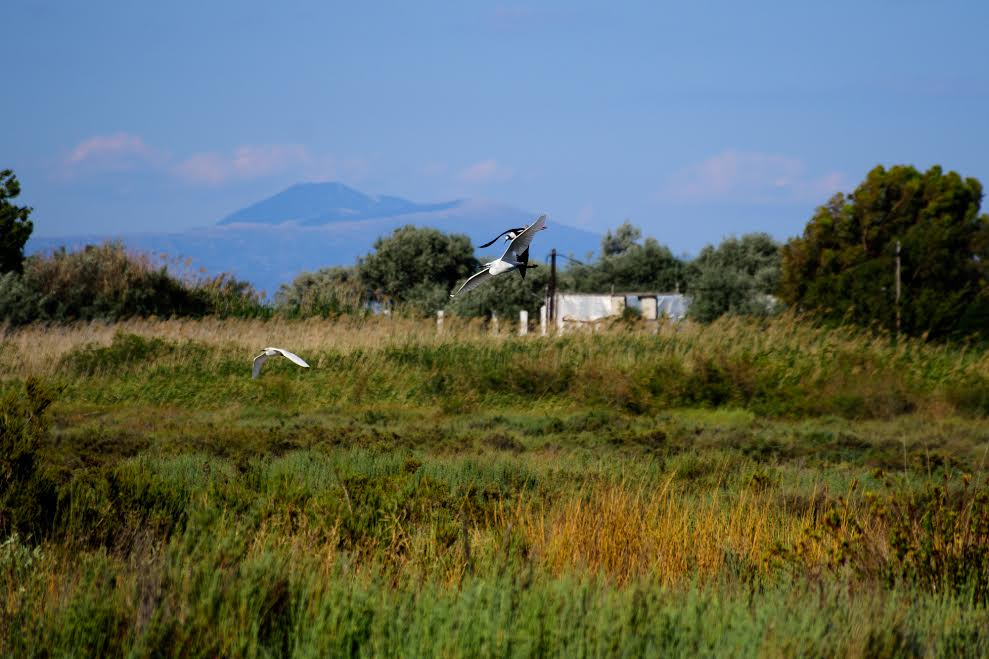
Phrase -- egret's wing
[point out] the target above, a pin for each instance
(292, 357)
(474, 281)
(258, 363)
(524, 239)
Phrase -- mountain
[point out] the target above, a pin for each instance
(311, 226)
(323, 203)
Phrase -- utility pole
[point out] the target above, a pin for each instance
(897, 288)
(551, 289)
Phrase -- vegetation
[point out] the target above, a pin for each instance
(843, 268)
(416, 267)
(626, 266)
(736, 277)
(15, 227)
(746, 487)
(327, 292)
(105, 282)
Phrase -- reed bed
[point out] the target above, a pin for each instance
(743, 488)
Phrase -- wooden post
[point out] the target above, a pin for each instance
(439, 321)
(897, 288)
(551, 294)
(494, 323)
(523, 322)
(542, 320)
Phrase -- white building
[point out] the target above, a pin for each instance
(575, 308)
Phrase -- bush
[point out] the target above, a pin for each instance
(27, 496)
(326, 292)
(737, 276)
(105, 282)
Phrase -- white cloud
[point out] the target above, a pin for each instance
(750, 176)
(244, 163)
(125, 152)
(486, 171)
(119, 151)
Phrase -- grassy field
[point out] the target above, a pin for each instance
(743, 489)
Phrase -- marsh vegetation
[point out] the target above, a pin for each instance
(749, 487)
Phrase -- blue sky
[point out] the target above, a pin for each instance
(693, 120)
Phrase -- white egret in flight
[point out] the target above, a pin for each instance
(271, 352)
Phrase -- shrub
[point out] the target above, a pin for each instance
(326, 292)
(27, 496)
(105, 282)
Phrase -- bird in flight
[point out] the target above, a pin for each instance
(516, 256)
(271, 352)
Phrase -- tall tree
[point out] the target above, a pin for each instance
(737, 276)
(622, 240)
(417, 266)
(626, 265)
(844, 265)
(15, 227)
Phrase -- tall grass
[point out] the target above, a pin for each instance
(461, 493)
(780, 367)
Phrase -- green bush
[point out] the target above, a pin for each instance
(105, 282)
(326, 292)
(27, 495)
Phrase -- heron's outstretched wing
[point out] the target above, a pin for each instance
(258, 363)
(292, 357)
(473, 281)
(522, 241)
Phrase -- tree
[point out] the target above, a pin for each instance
(625, 265)
(622, 240)
(737, 276)
(328, 291)
(417, 267)
(844, 265)
(15, 227)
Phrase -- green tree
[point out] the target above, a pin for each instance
(843, 267)
(326, 292)
(417, 268)
(737, 276)
(625, 265)
(15, 227)
(623, 239)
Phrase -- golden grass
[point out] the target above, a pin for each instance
(38, 346)
(663, 534)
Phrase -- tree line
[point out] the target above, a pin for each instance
(906, 251)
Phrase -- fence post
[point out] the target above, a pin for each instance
(523, 322)
(494, 323)
(542, 320)
(439, 321)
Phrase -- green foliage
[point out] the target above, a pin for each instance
(327, 292)
(105, 282)
(26, 495)
(15, 227)
(936, 539)
(625, 265)
(344, 512)
(843, 267)
(625, 237)
(413, 267)
(735, 277)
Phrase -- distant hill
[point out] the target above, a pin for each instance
(311, 226)
(324, 203)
